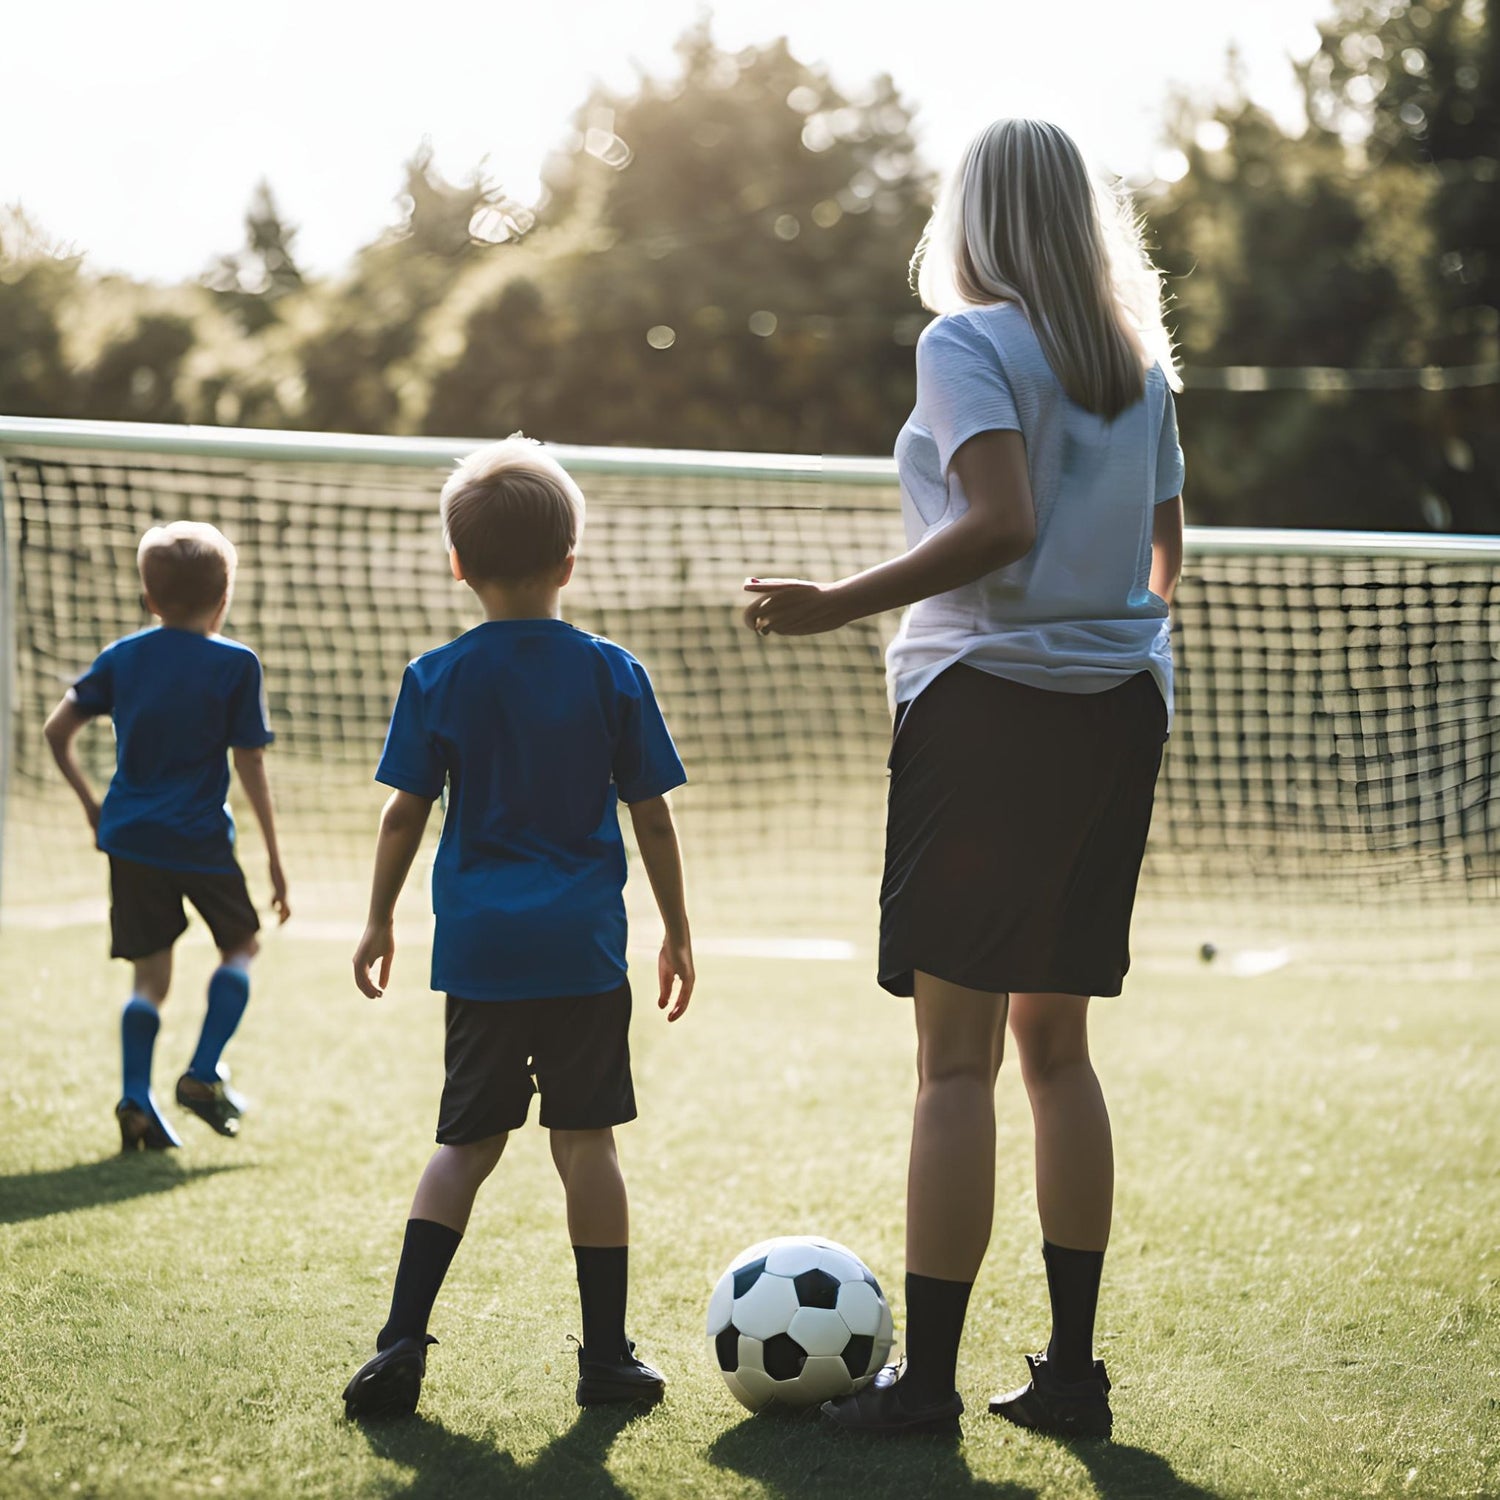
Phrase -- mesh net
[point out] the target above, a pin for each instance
(1331, 772)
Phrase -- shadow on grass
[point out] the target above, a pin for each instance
(448, 1464)
(1123, 1473)
(796, 1455)
(92, 1184)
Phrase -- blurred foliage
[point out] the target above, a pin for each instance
(737, 285)
(1370, 240)
(719, 262)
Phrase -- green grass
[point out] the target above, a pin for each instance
(1300, 1300)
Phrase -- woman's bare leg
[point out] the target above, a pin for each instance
(950, 1190)
(1075, 1162)
(1075, 1170)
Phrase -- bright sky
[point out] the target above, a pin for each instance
(136, 132)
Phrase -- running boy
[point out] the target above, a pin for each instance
(181, 695)
(537, 730)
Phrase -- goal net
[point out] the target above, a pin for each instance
(1331, 771)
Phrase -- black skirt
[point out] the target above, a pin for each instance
(1015, 832)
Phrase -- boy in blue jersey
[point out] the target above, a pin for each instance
(182, 697)
(537, 731)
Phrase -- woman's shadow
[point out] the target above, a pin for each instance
(795, 1457)
(446, 1464)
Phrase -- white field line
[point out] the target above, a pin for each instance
(92, 912)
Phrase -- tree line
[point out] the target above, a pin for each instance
(718, 261)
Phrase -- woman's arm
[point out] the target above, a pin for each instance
(998, 528)
(1166, 548)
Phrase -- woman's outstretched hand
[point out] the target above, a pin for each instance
(791, 606)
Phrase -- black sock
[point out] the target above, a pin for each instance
(934, 1324)
(425, 1257)
(1073, 1285)
(603, 1280)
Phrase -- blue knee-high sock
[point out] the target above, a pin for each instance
(228, 995)
(139, 1023)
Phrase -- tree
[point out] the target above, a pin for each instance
(37, 279)
(736, 272)
(135, 377)
(1351, 245)
(251, 281)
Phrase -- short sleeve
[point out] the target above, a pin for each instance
(962, 389)
(411, 761)
(94, 692)
(249, 716)
(1170, 469)
(646, 763)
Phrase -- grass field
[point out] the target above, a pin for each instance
(1301, 1299)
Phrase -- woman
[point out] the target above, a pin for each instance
(1041, 485)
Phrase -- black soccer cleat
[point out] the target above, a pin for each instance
(388, 1385)
(216, 1104)
(1063, 1408)
(605, 1382)
(879, 1410)
(143, 1129)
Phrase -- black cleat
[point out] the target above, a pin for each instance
(604, 1382)
(216, 1104)
(389, 1384)
(143, 1129)
(879, 1411)
(1064, 1408)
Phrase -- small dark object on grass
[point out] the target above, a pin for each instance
(1208, 952)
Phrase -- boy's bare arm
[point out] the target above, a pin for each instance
(61, 729)
(656, 838)
(401, 827)
(250, 767)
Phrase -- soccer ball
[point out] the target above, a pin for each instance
(797, 1320)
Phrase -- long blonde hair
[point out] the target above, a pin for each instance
(1022, 220)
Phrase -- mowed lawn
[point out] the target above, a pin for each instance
(1301, 1299)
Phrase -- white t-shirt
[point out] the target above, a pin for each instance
(1075, 615)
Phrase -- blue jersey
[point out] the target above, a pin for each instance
(179, 701)
(538, 730)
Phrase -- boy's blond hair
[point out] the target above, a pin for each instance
(186, 567)
(510, 511)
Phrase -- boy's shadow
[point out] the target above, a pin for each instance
(447, 1464)
(798, 1455)
(92, 1184)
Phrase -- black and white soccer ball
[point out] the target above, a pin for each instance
(798, 1320)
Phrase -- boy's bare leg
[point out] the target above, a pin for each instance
(439, 1215)
(153, 977)
(598, 1209)
(599, 1227)
(452, 1180)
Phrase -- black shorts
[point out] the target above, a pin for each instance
(145, 907)
(574, 1049)
(1017, 822)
